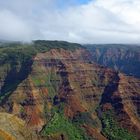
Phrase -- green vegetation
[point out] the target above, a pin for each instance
(22, 110)
(84, 118)
(50, 81)
(61, 125)
(51, 84)
(19, 52)
(42, 45)
(112, 130)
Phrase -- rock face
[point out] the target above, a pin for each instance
(124, 58)
(65, 83)
(13, 128)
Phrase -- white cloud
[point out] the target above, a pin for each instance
(99, 21)
(13, 28)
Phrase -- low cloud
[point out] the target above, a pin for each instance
(98, 21)
(13, 28)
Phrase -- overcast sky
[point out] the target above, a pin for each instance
(82, 21)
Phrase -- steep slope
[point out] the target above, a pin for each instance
(16, 61)
(120, 100)
(124, 58)
(13, 128)
(66, 97)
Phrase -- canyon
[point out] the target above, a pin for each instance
(121, 57)
(53, 90)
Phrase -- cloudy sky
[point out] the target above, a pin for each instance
(82, 21)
